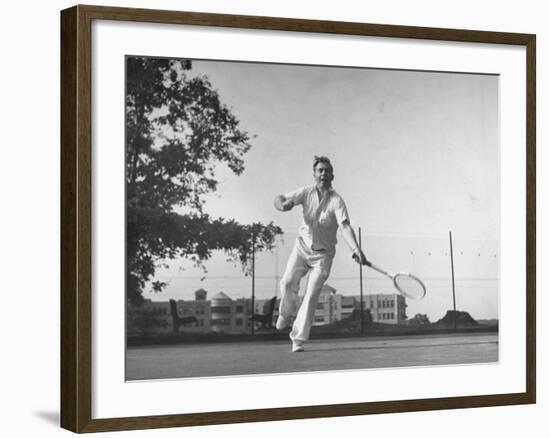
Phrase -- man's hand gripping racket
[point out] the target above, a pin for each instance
(407, 284)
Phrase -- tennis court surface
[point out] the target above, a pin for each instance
(242, 358)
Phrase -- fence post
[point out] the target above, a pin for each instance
(361, 286)
(252, 323)
(453, 279)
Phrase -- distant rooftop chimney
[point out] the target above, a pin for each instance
(200, 295)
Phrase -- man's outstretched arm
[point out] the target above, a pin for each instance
(351, 240)
(283, 204)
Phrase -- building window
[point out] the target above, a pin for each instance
(221, 321)
(320, 306)
(221, 309)
(319, 319)
(239, 321)
(239, 309)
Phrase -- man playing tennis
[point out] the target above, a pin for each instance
(324, 211)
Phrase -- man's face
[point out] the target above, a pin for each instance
(322, 174)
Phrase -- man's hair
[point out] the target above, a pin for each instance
(321, 159)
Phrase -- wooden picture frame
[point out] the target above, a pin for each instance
(76, 218)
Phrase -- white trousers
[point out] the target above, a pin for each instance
(301, 261)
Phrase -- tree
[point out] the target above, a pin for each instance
(419, 319)
(177, 132)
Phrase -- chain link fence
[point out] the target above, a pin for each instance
(224, 299)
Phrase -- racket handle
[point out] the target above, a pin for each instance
(370, 265)
(376, 268)
(356, 258)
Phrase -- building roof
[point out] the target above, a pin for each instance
(221, 296)
(327, 288)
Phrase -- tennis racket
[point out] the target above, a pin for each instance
(407, 284)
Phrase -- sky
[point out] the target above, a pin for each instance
(415, 156)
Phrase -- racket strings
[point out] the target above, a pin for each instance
(409, 285)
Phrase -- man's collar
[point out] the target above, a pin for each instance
(329, 191)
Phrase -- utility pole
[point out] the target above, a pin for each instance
(276, 267)
(453, 278)
(361, 286)
(252, 323)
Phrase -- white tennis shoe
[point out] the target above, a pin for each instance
(297, 346)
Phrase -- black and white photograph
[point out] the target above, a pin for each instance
(275, 219)
(294, 218)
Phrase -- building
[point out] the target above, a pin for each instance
(200, 309)
(228, 315)
(386, 308)
(222, 314)
(347, 306)
(329, 306)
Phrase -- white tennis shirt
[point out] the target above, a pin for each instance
(321, 216)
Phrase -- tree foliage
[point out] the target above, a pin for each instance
(419, 319)
(177, 132)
